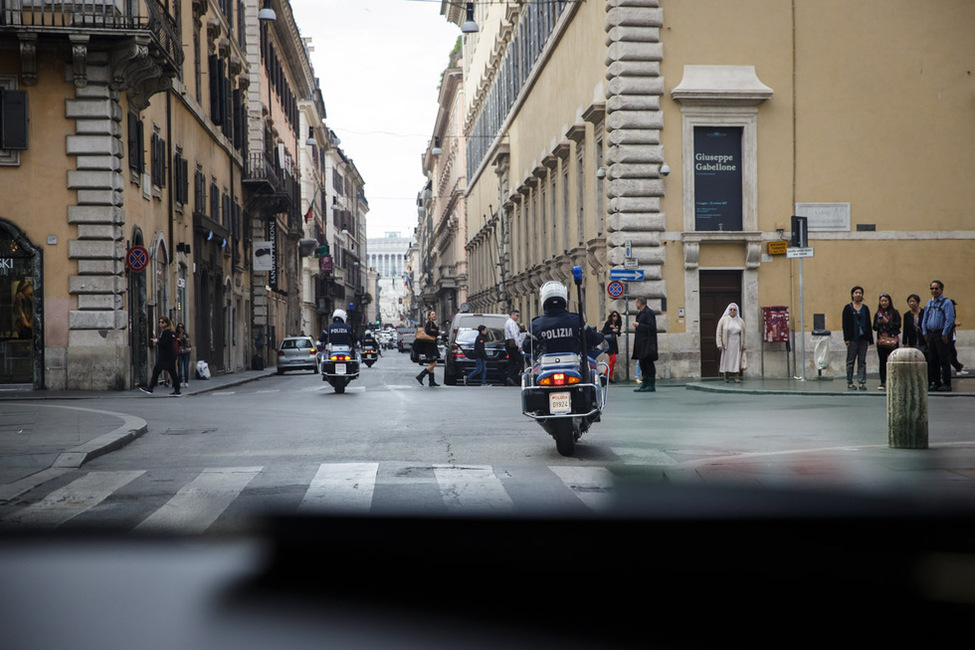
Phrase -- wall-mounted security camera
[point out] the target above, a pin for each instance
(665, 169)
(601, 173)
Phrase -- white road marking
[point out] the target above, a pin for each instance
(223, 392)
(471, 488)
(342, 486)
(593, 485)
(73, 499)
(201, 501)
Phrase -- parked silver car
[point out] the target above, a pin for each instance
(297, 353)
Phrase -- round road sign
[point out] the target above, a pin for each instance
(137, 259)
(615, 288)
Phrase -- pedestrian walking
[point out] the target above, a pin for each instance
(937, 326)
(479, 355)
(166, 348)
(857, 334)
(611, 329)
(730, 337)
(887, 324)
(426, 348)
(645, 346)
(183, 354)
(512, 333)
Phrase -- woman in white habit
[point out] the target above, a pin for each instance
(731, 342)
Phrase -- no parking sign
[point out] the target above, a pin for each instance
(615, 289)
(137, 259)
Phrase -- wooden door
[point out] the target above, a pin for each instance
(718, 288)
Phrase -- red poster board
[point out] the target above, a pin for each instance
(775, 321)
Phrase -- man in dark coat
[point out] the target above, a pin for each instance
(645, 346)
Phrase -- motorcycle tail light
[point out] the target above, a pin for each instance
(559, 379)
(340, 357)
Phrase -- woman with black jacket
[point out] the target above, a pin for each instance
(612, 326)
(857, 334)
(887, 323)
(166, 347)
(427, 351)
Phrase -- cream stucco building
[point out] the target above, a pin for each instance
(679, 137)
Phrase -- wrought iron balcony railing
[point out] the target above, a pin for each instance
(95, 16)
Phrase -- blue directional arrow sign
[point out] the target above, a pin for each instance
(631, 275)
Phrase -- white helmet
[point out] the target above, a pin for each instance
(552, 290)
(340, 314)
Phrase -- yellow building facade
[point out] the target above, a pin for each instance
(129, 189)
(680, 137)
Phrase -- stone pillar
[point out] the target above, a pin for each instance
(98, 340)
(907, 399)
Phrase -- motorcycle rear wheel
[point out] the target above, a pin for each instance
(565, 437)
(339, 385)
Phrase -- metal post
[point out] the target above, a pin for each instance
(802, 333)
(626, 327)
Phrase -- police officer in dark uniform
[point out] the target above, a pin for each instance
(557, 329)
(369, 339)
(338, 332)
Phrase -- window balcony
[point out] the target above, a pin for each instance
(146, 48)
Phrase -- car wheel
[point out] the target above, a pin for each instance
(280, 371)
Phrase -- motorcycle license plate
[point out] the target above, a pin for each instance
(339, 368)
(559, 403)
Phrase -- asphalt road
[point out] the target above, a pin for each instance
(289, 444)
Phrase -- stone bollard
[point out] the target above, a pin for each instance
(907, 399)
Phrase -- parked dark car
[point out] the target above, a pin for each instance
(460, 343)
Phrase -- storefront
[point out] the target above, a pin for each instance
(21, 322)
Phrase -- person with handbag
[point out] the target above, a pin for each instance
(730, 337)
(887, 324)
(426, 347)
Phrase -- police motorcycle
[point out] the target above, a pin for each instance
(370, 350)
(340, 361)
(564, 391)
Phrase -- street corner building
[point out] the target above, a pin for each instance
(679, 138)
(150, 162)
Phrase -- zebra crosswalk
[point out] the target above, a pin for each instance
(199, 499)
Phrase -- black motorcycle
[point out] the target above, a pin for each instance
(370, 354)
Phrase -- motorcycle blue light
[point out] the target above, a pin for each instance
(577, 272)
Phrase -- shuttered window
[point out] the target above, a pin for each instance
(13, 120)
(136, 144)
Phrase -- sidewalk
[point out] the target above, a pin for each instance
(73, 434)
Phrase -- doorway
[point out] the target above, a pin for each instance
(718, 288)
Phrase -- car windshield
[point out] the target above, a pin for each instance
(723, 188)
(466, 336)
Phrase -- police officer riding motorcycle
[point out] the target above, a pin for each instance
(340, 361)
(564, 390)
(370, 349)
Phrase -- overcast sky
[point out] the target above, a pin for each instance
(379, 64)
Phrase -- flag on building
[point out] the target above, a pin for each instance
(309, 214)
